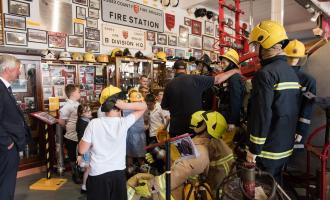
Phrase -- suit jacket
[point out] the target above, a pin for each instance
(13, 127)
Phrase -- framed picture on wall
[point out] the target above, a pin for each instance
(37, 36)
(76, 41)
(92, 46)
(94, 4)
(208, 43)
(92, 34)
(93, 13)
(79, 29)
(183, 31)
(197, 53)
(169, 51)
(81, 2)
(172, 40)
(56, 41)
(92, 23)
(16, 38)
(151, 36)
(196, 27)
(15, 22)
(195, 42)
(180, 53)
(161, 39)
(209, 28)
(156, 49)
(80, 12)
(187, 21)
(19, 8)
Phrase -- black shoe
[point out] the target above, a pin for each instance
(83, 191)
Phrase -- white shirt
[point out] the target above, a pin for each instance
(100, 113)
(7, 84)
(69, 113)
(107, 136)
(156, 119)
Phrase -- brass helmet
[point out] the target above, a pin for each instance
(89, 57)
(77, 56)
(103, 58)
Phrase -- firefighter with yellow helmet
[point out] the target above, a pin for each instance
(274, 102)
(295, 51)
(231, 93)
(214, 162)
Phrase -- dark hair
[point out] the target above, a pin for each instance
(69, 89)
(142, 87)
(81, 109)
(157, 91)
(150, 98)
(143, 76)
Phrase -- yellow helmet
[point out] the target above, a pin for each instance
(231, 55)
(268, 33)
(161, 56)
(103, 58)
(135, 96)
(295, 49)
(215, 123)
(107, 92)
(89, 57)
(77, 56)
(116, 52)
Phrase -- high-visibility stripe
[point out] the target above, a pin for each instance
(257, 140)
(130, 193)
(162, 186)
(222, 161)
(275, 156)
(304, 120)
(287, 86)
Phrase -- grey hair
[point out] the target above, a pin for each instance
(8, 62)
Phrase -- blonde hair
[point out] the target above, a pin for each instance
(8, 62)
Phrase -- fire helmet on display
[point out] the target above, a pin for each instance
(161, 56)
(65, 56)
(127, 52)
(77, 56)
(89, 57)
(116, 52)
(103, 58)
(48, 55)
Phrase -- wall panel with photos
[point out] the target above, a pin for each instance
(23, 29)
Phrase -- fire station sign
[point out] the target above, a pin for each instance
(116, 36)
(127, 13)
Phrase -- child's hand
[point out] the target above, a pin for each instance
(120, 104)
(79, 160)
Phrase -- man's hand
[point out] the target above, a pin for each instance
(231, 127)
(135, 180)
(224, 76)
(250, 157)
(120, 104)
(11, 146)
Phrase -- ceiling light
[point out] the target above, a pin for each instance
(315, 16)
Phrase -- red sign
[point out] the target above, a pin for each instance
(136, 8)
(125, 34)
(170, 21)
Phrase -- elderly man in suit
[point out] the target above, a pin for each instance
(14, 132)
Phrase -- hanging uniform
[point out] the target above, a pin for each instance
(273, 117)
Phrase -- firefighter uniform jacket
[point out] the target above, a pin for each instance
(308, 84)
(231, 99)
(275, 101)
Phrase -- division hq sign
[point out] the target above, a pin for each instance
(132, 14)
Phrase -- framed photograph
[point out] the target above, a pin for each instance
(172, 40)
(56, 41)
(196, 27)
(59, 91)
(209, 28)
(197, 53)
(180, 53)
(169, 51)
(214, 57)
(93, 13)
(94, 4)
(156, 49)
(161, 39)
(92, 46)
(208, 43)
(58, 80)
(80, 12)
(151, 36)
(187, 21)
(92, 34)
(19, 8)
(16, 38)
(37, 36)
(81, 2)
(15, 22)
(76, 41)
(92, 23)
(195, 42)
(19, 85)
(183, 42)
(183, 31)
(47, 92)
(79, 29)
(217, 31)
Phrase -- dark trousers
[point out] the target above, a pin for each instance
(107, 186)
(71, 147)
(274, 167)
(9, 160)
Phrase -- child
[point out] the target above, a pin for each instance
(136, 137)
(105, 137)
(159, 96)
(158, 118)
(84, 117)
(68, 119)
